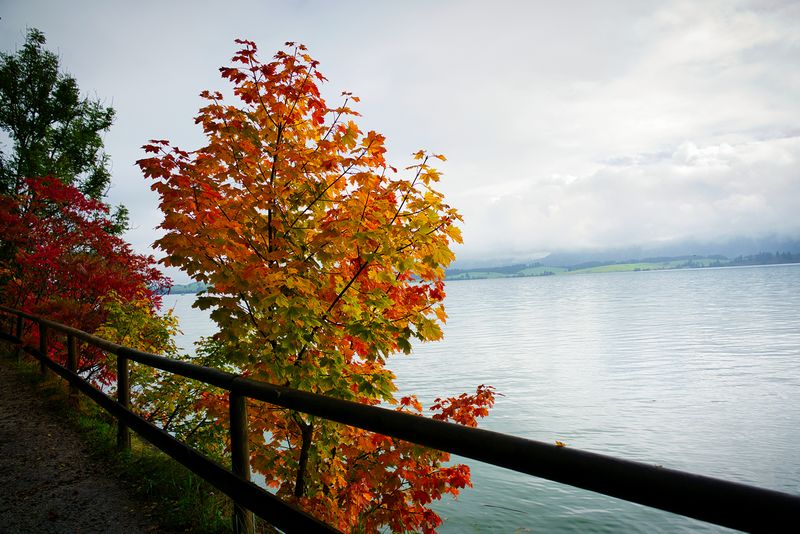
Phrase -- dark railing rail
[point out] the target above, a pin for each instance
(730, 504)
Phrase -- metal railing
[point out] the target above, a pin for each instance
(730, 504)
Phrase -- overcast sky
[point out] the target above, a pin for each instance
(567, 125)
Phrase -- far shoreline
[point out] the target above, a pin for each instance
(197, 288)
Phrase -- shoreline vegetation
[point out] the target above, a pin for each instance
(527, 270)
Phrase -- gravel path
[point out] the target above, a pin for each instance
(49, 483)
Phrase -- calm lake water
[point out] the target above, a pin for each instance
(697, 370)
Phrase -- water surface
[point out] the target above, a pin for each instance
(696, 370)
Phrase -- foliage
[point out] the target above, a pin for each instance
(166, 400)
(135, 323)
(321, 262)
(66, 264)
(70, 269)
(54, 132)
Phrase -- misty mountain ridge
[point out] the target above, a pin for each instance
(732, 248)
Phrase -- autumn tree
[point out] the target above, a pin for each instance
(322, 261)
(67, 264)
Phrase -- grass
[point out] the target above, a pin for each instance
(645, 266)
(528, 271)
(178, 499)
(477, 275)
(541, 270)
(624, 267)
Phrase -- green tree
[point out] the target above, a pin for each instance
(53, 131)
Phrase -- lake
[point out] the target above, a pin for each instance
(697, 370)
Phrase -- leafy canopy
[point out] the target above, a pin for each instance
(65, 262)
(60, 251)
(322, 261)
(53, 131)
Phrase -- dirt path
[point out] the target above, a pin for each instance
(49, 483)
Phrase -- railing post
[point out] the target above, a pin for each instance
(7, 320)
(72, 365)
(243, 522)
(124, 399)
(19, 338)
(42, 347)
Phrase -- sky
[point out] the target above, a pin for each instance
(567, 125)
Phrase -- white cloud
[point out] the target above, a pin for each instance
(700, 192)
(688, 154)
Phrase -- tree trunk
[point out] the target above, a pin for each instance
(306, 431)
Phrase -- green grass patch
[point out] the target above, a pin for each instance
(541, 270)
(478, 275)
(647, 266)
(624, 267)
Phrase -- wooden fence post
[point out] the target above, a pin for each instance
(42, 348)
(7, 329)
(72, 365)
(124, 399)
(19, 338)
(243, 522)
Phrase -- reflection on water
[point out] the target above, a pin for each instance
(696, 370)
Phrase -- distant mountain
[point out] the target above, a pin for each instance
(190, 288)
(730, 248)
